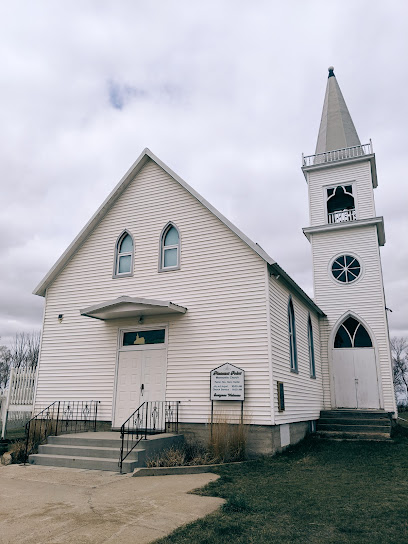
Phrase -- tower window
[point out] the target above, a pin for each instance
(352, 334)
(340, 204)
(346, 269)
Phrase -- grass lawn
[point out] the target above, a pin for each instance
(318, 492)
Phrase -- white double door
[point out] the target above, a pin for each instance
(355, 378)
(141, 377)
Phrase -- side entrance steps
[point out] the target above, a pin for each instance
(354, 424)
(99, 451)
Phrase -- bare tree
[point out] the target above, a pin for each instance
(5, 364)
(399, 350)
(25, 350)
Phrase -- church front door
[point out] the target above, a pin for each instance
(354, 367)
(355, 378)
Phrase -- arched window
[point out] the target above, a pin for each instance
(292, 337)
(311, 349)
(170, 248)
(340, 204)
(124, 255)
(352, 334)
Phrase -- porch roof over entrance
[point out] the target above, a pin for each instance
(123, 307)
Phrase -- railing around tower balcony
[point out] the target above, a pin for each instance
(60, 417)
(337, 155)
(152, 417)
(342, 216)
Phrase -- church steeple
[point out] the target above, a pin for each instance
(337, 130)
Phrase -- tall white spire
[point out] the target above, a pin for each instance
(337, 129)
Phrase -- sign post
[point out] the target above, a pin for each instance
(227, 382)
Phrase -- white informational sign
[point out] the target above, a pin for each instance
(227, 383)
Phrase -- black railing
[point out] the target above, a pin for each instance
(60, 417)
(152, 417)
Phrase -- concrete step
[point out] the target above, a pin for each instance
(86, 451)
(340, 427)
(355, 414)
(90, 463)
(354, 436)
(99, 451)
(354, 421)
(92, 441)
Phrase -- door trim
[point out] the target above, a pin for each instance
(120, 348)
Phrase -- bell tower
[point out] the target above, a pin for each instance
(345, 236)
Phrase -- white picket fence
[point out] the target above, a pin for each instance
(18, 401)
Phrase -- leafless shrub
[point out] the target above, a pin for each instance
(399, 350)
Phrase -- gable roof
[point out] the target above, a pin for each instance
(141, 161)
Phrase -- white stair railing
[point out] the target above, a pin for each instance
(341, 216)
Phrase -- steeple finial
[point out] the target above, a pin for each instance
(337, 130)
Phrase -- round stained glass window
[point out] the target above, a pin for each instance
(346, 269)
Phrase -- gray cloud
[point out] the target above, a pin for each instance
(229, 101)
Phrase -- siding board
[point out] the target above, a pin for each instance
(221, 281)
(303, 394)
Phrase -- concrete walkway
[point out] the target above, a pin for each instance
(58, 505)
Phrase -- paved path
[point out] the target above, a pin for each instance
(45, 505)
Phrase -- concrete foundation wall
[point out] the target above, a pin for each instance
(261, 439)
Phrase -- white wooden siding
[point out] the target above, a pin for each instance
(365, 296)
(359, 175)
(303, 394)
(221, 281)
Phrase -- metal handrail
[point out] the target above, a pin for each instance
(338, 154)
(60, 417)
(151, 417)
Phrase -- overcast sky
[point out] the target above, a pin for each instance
(227, 93)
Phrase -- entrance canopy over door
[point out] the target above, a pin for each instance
(124, 306)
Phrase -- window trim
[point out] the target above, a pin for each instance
(116, 274)
(327, 186)
(292, 337)
(163, 234)
(310, 342)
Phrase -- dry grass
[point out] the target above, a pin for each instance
(227, 440)
(189, 453)
(226, 443)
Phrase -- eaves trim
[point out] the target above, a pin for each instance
(345, 162)
(377, 221)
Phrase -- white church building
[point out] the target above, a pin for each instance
(159, 289)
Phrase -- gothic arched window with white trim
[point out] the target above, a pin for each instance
(292, 337)
(170, 248)
(352, 334)
(312, 364)
(124, 255)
